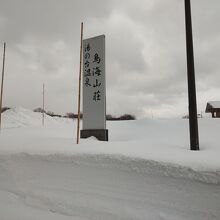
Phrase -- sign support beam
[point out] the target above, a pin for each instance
(79, 92)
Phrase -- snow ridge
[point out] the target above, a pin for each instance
(124, 163)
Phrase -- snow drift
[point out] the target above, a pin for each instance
(149, 145)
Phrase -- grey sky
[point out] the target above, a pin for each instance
(145, 51)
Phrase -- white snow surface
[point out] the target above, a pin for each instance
(145, 171)
(160, 140)
(214, 104)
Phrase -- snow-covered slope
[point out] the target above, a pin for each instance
(21, 117)
(45, 175)
(34, 187)
(146, 141)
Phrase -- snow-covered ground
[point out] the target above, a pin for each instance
(145, 171)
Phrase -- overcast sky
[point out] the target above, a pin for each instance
(145, 53)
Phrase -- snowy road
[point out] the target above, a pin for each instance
(44, 188)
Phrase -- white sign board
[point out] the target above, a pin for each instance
(94, 88)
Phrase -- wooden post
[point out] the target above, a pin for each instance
(2, 83)
(79, 91)
(43, 108)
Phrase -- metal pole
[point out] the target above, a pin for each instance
(2, 83)
(80, 76)
(193, 123)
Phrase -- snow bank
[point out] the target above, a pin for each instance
(21, 117)
(148, 145)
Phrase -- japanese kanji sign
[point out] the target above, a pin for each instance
(94, 89)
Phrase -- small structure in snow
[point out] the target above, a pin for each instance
(214, 108)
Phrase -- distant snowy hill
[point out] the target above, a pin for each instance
(20, 117)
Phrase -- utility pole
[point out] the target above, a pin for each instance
(2, 84)
(193, 121)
